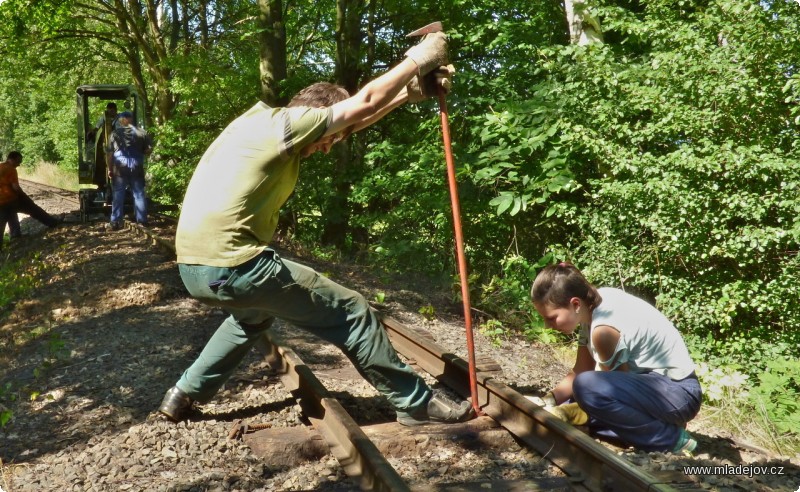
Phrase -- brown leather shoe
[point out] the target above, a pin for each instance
(439, 409)
(176, 404)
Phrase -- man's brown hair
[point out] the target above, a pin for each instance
(557, 284)
(319, 95)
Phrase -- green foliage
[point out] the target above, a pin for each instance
(722, 385)
(8, 396)
(666, 158)
(675, 158)
(494, 331)
(56, 350)
(18, 278)
(778, 392)
(517, 158)
(506, 297)
(428, 312)
(397, 194)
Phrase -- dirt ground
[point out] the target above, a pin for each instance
(86, 358)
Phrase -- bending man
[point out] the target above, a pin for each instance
(229, 216)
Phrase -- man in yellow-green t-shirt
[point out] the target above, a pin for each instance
(229, 216)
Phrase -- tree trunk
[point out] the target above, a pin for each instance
(140, 22)
(348, 74)
(272, 50)
(583, 27)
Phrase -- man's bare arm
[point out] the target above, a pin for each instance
(380, 96)
(374, 100)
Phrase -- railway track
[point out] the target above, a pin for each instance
(73, 198)
(373, 452)
(586, 464)
(66, 195)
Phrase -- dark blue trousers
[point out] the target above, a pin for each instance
(124, 177)
(645, 410)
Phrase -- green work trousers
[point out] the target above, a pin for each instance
(268, 287)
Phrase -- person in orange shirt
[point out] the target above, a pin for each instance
(14, 229)
(13, 199)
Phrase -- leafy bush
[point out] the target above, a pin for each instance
(778, 392)
(722, 384)
(507, 297)
(19, 277)
(659, 174)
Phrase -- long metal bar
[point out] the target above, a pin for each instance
(462, 259)
(581, 457)
(357, 454)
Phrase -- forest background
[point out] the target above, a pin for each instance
(653, 143)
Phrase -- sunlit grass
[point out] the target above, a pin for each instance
(49, 174)
(747, 425)
(729, 410)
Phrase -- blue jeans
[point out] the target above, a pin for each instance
(645, 410)
(268, 287)
(124, 177)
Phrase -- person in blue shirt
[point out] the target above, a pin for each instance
(128, 147)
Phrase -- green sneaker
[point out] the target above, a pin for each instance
(686, 443)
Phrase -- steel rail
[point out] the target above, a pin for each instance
(54, 190)
(348, 443)
(167, 244)
(585, 461)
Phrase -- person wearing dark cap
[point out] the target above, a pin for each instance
(127, 147)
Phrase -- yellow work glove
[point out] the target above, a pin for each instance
(570, 413)
(442, 78)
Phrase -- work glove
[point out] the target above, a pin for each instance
(442, 78)
(548, 400)
(430, 53)
(570, 413)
